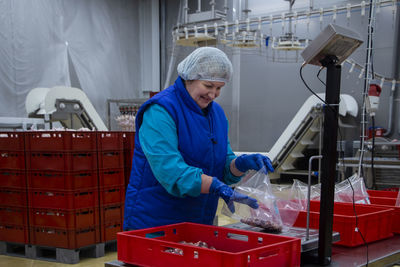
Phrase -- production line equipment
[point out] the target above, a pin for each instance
(67, 107)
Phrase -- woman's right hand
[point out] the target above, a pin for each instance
(229, 195)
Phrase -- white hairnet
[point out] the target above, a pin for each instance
(206, 63)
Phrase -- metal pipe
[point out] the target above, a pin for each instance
(212, 4)
(162, 25)
(320, 146)
(309, 195)
(396, 74)
(368, 76)
(329, 160)
(226, 7)
(390, 116)
(397, 62)
(186, 10)
(198, 6)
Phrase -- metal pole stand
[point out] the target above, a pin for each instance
(329, 159)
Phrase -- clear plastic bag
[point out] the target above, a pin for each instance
(299, 193)
(344, 191)
(274, 213)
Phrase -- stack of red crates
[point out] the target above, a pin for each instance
(111, 183)
(63, 188)
(129, 145)
(13, 194)
(62, 172)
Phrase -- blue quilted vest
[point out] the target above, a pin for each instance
(202, 141)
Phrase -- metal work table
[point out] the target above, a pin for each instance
(306, 245)
(381, 253)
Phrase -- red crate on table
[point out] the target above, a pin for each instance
(13, 215)
(111, 195)
(12, 160)
(379, 193)
(232, 247)
(111, 177)
(61, 218)
(128, 140)
(127, 176)
(62, 180)
(12, 141)
(109, 141)
(74, 199)
(375, 223)
(62, 161)
(14, 233)
(13, 197)
(128, 156)
(109, 230)
(389, 203)
(64, 238)
(112, 212)
(13, 178)
(61, 141)
(111, 159)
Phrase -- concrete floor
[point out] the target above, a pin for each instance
(8, 261)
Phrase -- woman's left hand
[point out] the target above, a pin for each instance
(253, 162)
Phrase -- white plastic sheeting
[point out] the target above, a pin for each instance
(42, 40)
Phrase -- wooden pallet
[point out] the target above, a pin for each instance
(62, 255)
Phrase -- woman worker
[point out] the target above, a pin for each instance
(183, 161)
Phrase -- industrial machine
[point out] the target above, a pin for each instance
(66, 106)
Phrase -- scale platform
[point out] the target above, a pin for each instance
(306, 245)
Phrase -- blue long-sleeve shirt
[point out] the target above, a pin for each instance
(159, 143)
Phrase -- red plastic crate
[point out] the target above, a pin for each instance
(389, 203)
(112, 213)
(109, 230)
(109, 141)
(375, 223)
(111, 195)
(111, 177)
(60, 218)
(233, 247)
(127, 176)
(14, 215)
(128, 156)
(12, 160)
(128, 140)
(378, 193)
(64, 238)
(12, 141)
(61, 141)
(62, 161)
(62, 180)
(13, 178)
(14, 233)
(74, 199)
(111, 159)
(13, 197)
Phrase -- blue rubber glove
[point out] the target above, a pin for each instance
(253, 162)
(229, 195)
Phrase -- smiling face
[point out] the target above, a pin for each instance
(204, 92)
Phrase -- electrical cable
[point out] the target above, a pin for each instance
(343, 162)
(319, 77)
(309, 89)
